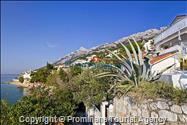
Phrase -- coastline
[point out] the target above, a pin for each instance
(19, 84)
(24, 84)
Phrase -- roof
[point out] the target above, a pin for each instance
(178, 18)
(157, 59)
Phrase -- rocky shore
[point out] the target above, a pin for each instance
(24, 84)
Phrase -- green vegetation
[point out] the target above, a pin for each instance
(5, 110)
(87, 89)
(21, 79)
(63, 75)
(75, 70)
(63, 90)
(122, 50)
(41, 74)
(132, 68)
(42, 102)
(53, 79)
(159, 90)
(49, 66)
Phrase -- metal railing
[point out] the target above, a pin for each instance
(171, 30)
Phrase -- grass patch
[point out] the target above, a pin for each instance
(157, 89)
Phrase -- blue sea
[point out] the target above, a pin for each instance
(9, 92)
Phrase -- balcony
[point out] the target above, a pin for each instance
(171, 30)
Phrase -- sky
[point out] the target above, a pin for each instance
(34, 33)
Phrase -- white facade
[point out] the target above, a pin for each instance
(148, 46)
(174, 35)
(178, 79)
(162, 64)
(79, 62)
(27, 76)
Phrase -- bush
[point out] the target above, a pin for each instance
(5, 109)
(41, 74)
(53, 79)
(42, 102)
(75, 70)
(21, 79)
(63, 75)
(49, 66)
(87, 89)
(159, 90)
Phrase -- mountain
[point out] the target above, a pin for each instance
(140, 36)
(72, 55)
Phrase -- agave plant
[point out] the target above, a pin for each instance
(133, 68)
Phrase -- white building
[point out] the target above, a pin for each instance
(174, 38)
(173, 41)
(149, 46)
(27, 76)
(79, 61)
(171, 45)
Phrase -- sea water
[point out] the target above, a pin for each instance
(10, 92)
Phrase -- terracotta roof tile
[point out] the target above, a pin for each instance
(156, 59)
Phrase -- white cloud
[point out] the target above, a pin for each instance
(50, 45)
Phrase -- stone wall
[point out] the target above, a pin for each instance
(152, 112)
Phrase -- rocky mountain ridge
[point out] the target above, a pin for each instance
(140, 36)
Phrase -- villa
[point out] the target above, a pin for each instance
(171, 48)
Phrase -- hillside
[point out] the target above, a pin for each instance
(140, 36)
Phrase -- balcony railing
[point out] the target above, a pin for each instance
(171, 30)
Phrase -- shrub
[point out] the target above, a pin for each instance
(75, 70)
(63, 75)
(41, 74)
(87, 89)
(159, 90)
(53, 79)
(49, 66)
(21, 79)
(5, 109)
(41, 102)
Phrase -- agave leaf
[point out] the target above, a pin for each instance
(167, 68)
(124, 57)
(145, 68)
(128, 54)
(147, 74)
(134, 52)
(118, 69)
(131, 62)
(152, 75)
(127, 51)
(103, 73)
(158, 75)
(139, 52)
(121, 78)
(112, 87)
(101, 76)
(128, 68)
